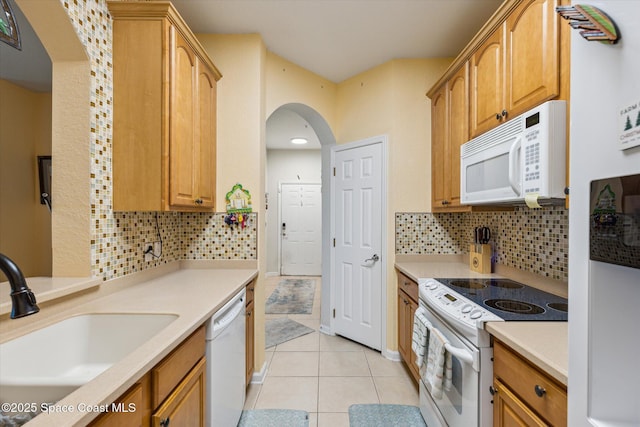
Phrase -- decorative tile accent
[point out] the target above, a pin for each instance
(534, 240)
(118, 238)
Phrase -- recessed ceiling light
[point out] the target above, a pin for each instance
(299, 141)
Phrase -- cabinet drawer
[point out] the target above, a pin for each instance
(408, 286)
(167, 374)
(523, 379)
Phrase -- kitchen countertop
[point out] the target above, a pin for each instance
(192, 293)
(545, 344)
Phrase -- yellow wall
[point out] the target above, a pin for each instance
(25, 133)
(241, 152)
(289, 83)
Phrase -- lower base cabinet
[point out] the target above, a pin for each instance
(186, 405)
(250, 334)
(523, 395)
(171, 394)
(407, 306)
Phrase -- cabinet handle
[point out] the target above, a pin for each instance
(493, 390)
(498, 117)
(405, 301)
(445, 202)
(198, 201)
(165, 422)
(504, 113)
(249, 313)
(540, 391)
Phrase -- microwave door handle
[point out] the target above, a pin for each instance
(514, 170)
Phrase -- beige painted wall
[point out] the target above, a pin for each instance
(25, 133)
(241, 148)
(289, 83)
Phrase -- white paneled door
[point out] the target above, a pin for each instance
(357, 201)
(301, 229)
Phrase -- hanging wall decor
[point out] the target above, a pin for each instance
(8, 27)
(594, 24)
(238, 206)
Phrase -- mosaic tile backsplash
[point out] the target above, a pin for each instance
(534, 240)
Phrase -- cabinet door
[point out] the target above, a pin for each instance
(532, 55)
(510, 411)
(406, 309)
(128, 410)
(458, 129)
(206, 153)
(250, 340)
(487, 83)
(439, 149)
(185, 406)
(183, 137)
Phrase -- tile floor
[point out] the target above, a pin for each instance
(324, 374)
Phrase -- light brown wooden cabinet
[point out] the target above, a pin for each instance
(172, 393)
(517, 67)
(164, 105)
(449, 130)
(185, 406)
(523, 395)
(407, 306)
(250, 333)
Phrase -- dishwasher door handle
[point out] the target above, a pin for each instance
(223, 321)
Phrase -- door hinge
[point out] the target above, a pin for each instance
(334, 242)
(334, 313)
(334, 171)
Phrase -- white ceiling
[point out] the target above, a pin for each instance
(335, 39)
(338, 39)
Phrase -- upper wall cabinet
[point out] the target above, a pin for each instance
(517, 66)
(518, 60)
(449, 130)
(164, 108)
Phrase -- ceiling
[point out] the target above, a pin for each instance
(335, 39)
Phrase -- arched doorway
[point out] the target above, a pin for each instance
(326, 140)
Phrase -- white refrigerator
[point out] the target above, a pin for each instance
(604, 299)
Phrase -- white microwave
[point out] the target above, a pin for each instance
(522, 160)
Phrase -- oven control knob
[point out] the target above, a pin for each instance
(467, 308)
(432, 286)
(476, 314)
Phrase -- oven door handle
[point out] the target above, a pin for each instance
(463, 355)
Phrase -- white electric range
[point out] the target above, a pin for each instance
(459, 309)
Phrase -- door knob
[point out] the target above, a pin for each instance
(374, 258)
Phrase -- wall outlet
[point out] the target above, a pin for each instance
(152, 251)
(148, 253)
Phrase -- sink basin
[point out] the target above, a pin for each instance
(47, 364)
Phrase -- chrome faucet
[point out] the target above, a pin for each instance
(23, 301)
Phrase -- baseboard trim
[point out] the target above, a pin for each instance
(271, 274)
(259, 376)
(392, 355)
(326, 330)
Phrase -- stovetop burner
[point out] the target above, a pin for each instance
(560, 306)
(510, 300)
(513, 306)
(505, 283)
(467, 284)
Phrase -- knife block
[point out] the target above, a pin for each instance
(480, 258)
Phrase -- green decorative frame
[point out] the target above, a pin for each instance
(9, 32)
(238, 200)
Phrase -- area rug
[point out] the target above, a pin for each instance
(273, 418)
(385, 416)
(282, 330)
(292, 296)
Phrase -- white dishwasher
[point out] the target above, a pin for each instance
(226, 347)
